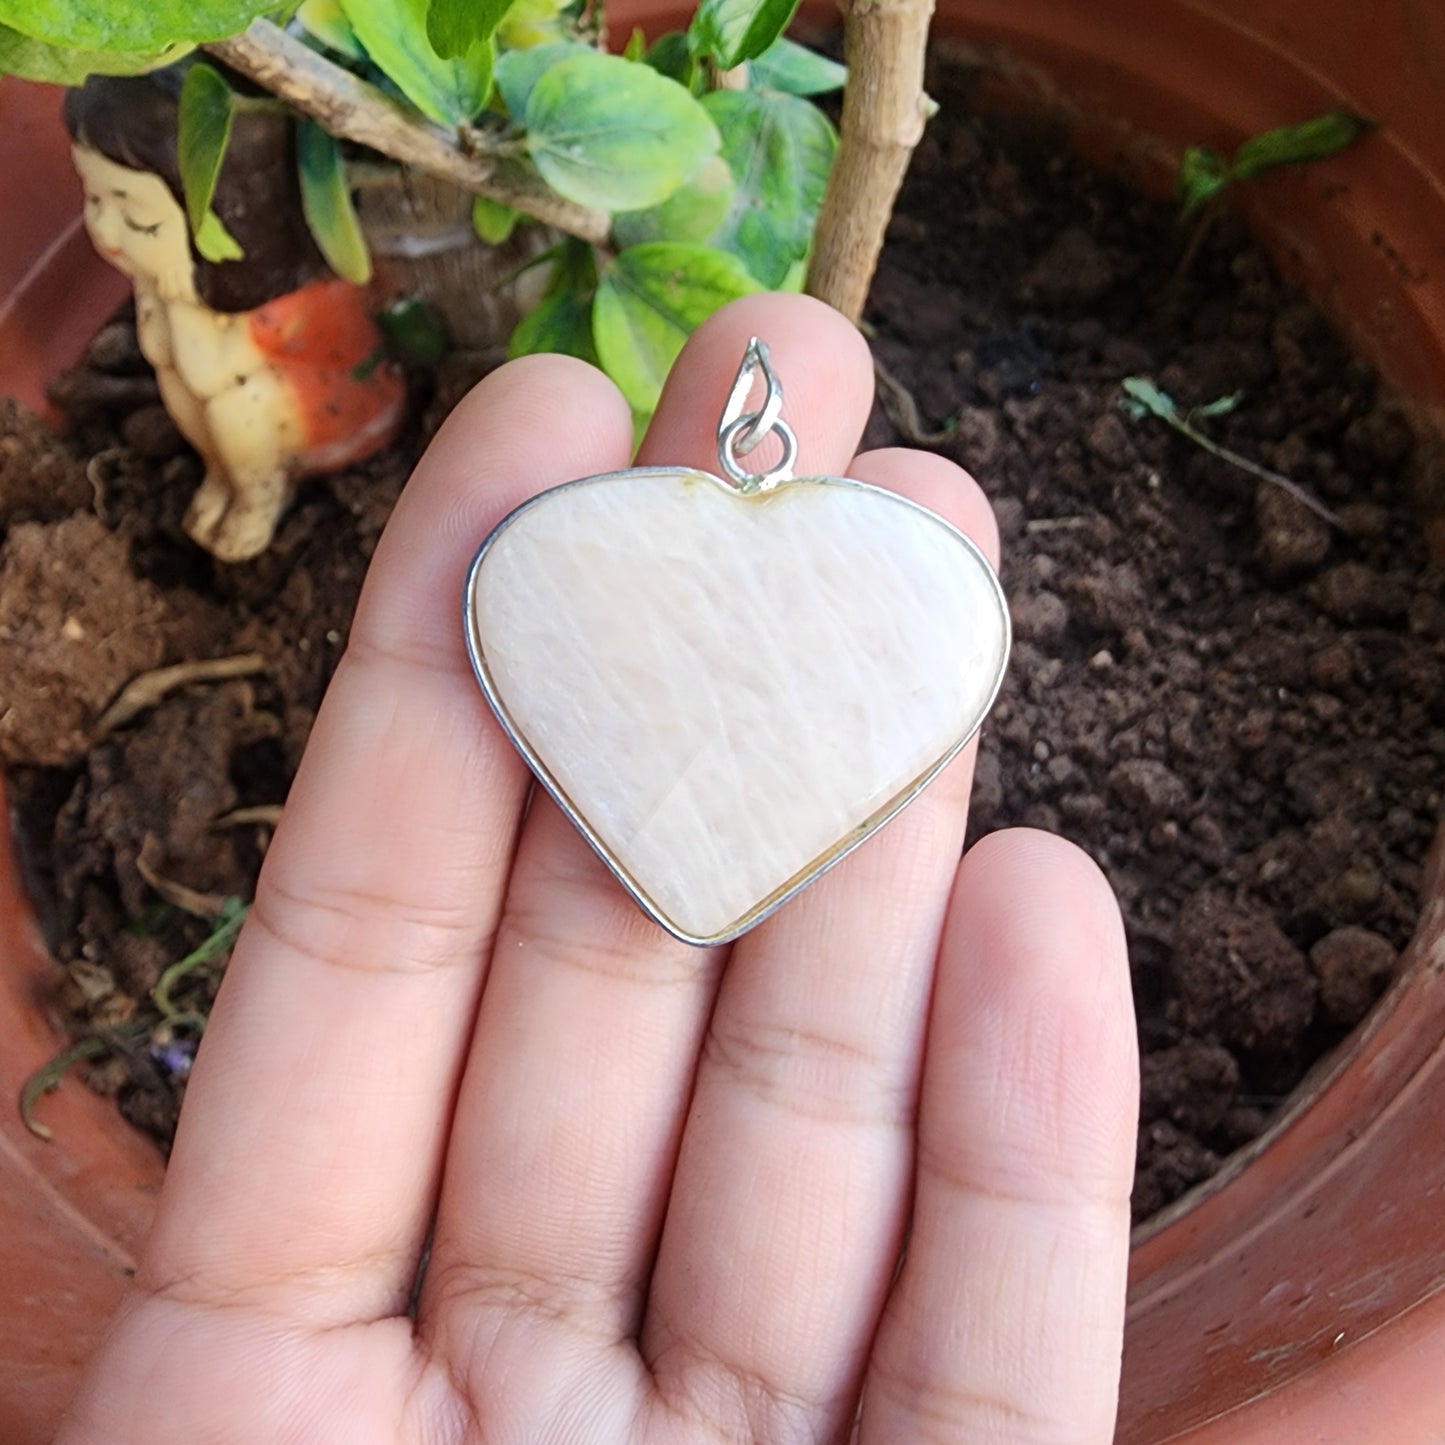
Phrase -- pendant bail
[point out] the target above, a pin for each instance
(741, 431)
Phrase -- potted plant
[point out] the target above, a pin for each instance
(696, 165)
(1299, 1291)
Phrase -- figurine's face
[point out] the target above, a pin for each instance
(136, 224)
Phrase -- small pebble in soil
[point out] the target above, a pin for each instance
(1293, 541)
(1352, 965)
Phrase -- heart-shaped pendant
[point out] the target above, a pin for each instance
(729, 686)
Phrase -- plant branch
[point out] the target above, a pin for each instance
(353, 110)
(900, 406)
(884, 110)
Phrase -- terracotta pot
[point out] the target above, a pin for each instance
(1298, 1296)
(73, 1211)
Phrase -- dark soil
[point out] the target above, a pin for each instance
(134, 839)
(1237, 709)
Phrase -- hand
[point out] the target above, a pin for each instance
(670, 1186)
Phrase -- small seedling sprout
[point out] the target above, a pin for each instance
(167, 1017)
(1204, 173)
(1142, 398)
(217, 942)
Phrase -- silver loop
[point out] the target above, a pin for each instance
(761, 422)
(728, 446)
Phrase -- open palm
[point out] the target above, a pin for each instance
(667, 1190)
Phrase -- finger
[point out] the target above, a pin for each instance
(1006, 1323)
(587, 1039)
(311, 1140)
(792, 1190)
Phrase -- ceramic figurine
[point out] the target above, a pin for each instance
(268, 364)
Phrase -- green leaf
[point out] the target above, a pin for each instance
(203, 130)
(326, 203)
(693, 212)
(29, 59)
(574, 269)
(133, 28)
(796, 70)
(729, 32)
(519, 70)
(215, 242)
(1203, 173)
(1313, 140)
(1220, 406)
(454, 26)
(636, 47)
(649, 301)
(561, 324)
(323, 20)
(449, 92)
(413, 332)
(672, 56)
(562, 321)
(796, 278)
(780, 149)
(609, 133)
(1145, 399)
(492, 221)
(530, 23)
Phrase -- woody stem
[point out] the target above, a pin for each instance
(884, 110)
(351, 109)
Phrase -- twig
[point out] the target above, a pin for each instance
(95, 473)
(353, 110)
(1057, 524)
(884, 110)
(901, 408)
(178, 895)
(267, 815)
(86, 391)
(148, 688)
(211, 948)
